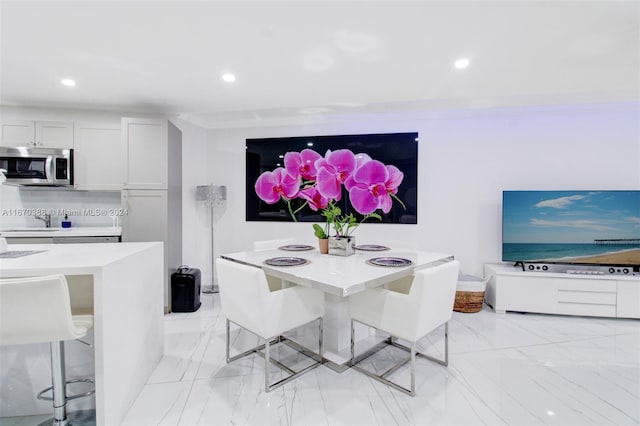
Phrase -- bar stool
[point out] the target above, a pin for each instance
(38, 310)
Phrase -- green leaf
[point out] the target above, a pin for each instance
(319, 232)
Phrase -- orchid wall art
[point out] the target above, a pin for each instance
(341, 186)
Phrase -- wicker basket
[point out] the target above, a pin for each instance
(469, 294)
(468, 301)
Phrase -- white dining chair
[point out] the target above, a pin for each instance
(272, 244)
(415, 307)
(38, 310)
(247, 300)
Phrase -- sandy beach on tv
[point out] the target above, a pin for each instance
(626, 257)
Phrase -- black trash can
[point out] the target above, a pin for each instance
(185, 290)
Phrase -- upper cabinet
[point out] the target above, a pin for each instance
(98, 157)
(46, 134)
(145, 153)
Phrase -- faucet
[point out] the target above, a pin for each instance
(46, 219)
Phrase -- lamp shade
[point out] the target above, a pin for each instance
(211, 194)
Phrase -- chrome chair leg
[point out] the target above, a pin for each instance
(228, 360)
(264, 350)
(58, 377)
(392, 341)
(446, 343)
(413, 369)
(267, 356)
(59, 395)
(320, 339)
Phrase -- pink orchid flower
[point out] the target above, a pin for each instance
(371, 185)
(333, 170)
(395, 179)
(270, 186)
(314, 198)
(302, 163)
(362, 158)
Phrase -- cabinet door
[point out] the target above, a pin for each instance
(98, 157)
(628, 298)
(145, 219)
(18, 133)
(146, 215)
(54, 134)
(528, 293)
(144, 144)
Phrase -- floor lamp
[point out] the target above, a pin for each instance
(212, 196)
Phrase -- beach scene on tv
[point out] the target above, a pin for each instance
(581, 227)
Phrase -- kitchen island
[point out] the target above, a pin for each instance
(125, 283)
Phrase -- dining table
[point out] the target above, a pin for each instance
(338, 277)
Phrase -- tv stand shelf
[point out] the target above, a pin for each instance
(510, 288)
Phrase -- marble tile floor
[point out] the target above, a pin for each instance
(511, 369)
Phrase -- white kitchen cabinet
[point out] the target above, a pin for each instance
(145, 153)
(44, 134)
(511, 289)
(98, 157)
(146, 215)
(152, 192)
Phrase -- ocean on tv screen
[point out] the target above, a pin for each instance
(582, 227)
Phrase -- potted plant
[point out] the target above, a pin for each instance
(323, 237)
(321, 181)
(342, 243)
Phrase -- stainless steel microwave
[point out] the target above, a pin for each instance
(37, 166)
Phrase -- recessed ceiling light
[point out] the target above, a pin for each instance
(68, 82)
(228, 77)
(461, 63)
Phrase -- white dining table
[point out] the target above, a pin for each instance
(339, 277)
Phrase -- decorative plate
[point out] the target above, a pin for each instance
(286, 261)
(296, 247)
(389, 261)
(371, 247)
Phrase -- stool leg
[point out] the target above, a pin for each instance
(58, 381)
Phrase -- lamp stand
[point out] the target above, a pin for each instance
(213, 288)
(212, 196)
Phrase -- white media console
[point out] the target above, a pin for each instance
(509, 288)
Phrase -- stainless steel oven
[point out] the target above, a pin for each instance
(37, 166)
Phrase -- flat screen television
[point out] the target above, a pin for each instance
(571, 227)
(397, 149)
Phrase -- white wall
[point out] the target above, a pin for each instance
(466, 159)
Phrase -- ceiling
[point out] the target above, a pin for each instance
(306, 58)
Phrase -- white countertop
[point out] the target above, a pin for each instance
(80, 231)
(67, 258)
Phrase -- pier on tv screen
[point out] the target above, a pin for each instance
(576, 227)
